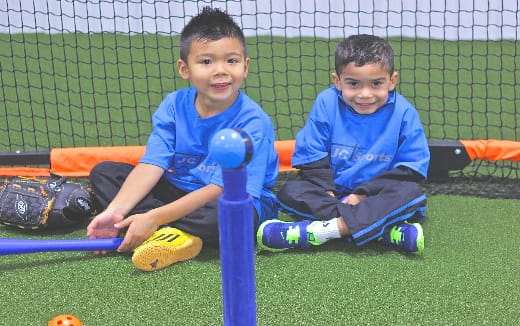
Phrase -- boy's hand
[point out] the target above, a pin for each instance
(102, 226)
(353, 199)
(140, 228)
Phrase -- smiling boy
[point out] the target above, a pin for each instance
(177, 183)
(360, 156)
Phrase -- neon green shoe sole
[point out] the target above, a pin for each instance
(408, 237)
(276, 235)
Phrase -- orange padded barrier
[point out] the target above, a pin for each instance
(285, 149)
(492, 149)
(78, 161)
(24, 171)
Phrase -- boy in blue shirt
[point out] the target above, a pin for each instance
(177, 182)
(360, 156)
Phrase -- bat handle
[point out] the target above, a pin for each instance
(24, 246)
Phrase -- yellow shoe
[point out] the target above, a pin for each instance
(165, 247)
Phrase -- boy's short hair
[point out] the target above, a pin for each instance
(210, 24)
(364, 49)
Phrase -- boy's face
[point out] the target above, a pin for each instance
(216, 69)
(365, 88)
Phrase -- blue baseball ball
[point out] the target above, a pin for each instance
(231, 148)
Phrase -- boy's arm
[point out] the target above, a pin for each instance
(185, 205)
(136, 186)
(318, 173)
(142, 226)
(401, 173)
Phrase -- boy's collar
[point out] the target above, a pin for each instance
(391, 97)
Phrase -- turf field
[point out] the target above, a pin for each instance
(468, 275)
(88, 90)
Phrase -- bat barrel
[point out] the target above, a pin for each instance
(24, 246)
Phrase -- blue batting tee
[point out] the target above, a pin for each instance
(362, 146)
(179, 143)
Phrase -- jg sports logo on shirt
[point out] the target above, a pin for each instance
(182, 163)
(342, 154)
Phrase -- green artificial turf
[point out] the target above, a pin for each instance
(58, 92)
(468, 275)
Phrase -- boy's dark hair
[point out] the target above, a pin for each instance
(364, 49)
(210, 24)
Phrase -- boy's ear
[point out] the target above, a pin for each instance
(393, 80)
(336, 81)
(184, 71)
(246, 68)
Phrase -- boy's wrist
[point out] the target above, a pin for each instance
(116, 210)
(157, 217)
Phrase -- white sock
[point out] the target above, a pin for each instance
(324, 230)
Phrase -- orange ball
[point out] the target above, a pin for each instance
(65, 320)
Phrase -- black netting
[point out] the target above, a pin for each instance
(90, 73)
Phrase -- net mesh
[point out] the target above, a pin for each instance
(91, 73)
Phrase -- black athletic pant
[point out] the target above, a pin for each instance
(106, 178)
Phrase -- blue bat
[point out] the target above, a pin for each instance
(15, 246)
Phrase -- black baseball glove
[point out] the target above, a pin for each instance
(39, 203)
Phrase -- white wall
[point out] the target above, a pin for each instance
(441, 19)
